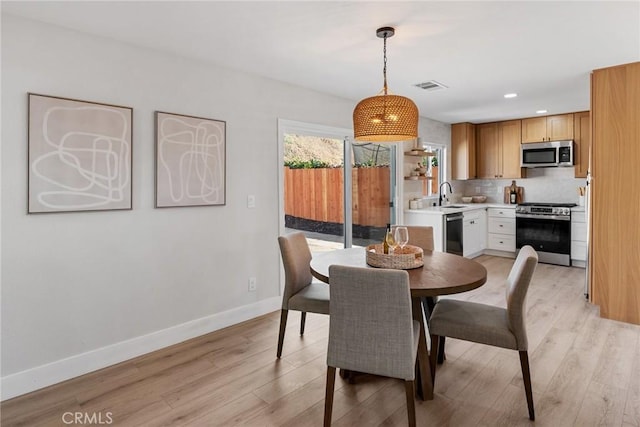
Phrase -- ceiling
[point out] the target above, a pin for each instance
(542, 50)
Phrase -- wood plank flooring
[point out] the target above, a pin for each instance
(585, 371)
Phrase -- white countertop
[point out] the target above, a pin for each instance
(577, 209)
(466, 207)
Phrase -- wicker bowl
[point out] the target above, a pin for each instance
(402, 259)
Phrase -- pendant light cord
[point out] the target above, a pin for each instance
(384, 68)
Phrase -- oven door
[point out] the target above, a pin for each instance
(548, 235)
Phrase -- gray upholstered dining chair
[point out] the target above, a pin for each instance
(301, 291)
(487, 324)
(371, 329)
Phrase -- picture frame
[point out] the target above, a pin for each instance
(190, 161)
(79, 155)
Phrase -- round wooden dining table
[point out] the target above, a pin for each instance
(441, 274)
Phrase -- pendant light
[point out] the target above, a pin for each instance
(385, 117)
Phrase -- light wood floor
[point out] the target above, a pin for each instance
(585, 371)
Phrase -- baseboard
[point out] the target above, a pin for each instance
(503, 254)
(42, 376)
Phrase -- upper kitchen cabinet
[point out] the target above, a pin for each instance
(549, 128)
(581, 142)
(498, 150)
(463, 151)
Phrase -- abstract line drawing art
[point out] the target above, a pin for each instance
(79, 155)
(190, 161)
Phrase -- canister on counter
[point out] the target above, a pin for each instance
(415, 204)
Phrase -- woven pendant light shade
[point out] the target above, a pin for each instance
(385, 118)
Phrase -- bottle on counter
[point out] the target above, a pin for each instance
(389, 241)
(513, 193)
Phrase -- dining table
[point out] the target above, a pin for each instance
(441, 274)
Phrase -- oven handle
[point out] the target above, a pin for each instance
(556, 217)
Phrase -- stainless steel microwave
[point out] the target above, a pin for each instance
(546, 154)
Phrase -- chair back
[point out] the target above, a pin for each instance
(370, 326)
(296, 258)
(420, 236)
(517, 287)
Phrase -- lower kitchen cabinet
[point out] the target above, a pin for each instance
(578, 239)
(501, 230)
(474, 232)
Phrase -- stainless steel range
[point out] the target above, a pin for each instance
(547, 228)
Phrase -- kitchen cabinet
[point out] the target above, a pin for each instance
(614, 248)
(463, 151)
(548, 128)
(578, 239)
(474, 233)
(498, 147)
(581, 142)
(501, 230)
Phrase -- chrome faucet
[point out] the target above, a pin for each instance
(441, 197)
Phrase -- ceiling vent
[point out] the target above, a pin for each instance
(431, 85)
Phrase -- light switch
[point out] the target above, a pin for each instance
(251, 201)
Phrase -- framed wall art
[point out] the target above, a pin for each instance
(190, 161)
(79, 155)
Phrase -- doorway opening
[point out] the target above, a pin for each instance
(317, 166)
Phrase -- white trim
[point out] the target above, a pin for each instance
(347, 192)
(42, 376)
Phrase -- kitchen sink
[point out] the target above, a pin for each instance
(452, 207)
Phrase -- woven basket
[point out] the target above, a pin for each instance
(402, 259)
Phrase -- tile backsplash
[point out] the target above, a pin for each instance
(541, 185)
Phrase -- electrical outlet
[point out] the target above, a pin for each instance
(252, 284)
(251, 201)
(477, 190)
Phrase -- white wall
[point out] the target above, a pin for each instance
(84, 290)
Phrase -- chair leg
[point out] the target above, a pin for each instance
(435, 344)
(328, 397)
(409, 388)
(526, 376)
(429, 304)
(303, 319)
(441, 356)
(283, 327)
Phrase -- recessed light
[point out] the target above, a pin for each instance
(510, 95)
(541, 111)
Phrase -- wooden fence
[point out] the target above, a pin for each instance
(316, 194)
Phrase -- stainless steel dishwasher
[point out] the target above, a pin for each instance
(453, 233)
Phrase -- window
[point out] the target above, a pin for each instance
(433, 168)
